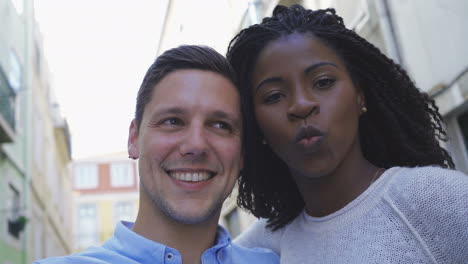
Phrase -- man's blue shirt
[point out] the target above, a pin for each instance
(126, 246)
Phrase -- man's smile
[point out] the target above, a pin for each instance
(190, 176)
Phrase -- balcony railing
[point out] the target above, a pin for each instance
(7, 109)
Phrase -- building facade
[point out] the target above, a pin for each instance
(13, 133)
(34, 145)
(105, 192)
(50, 190)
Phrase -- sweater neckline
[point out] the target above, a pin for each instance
(360, 205)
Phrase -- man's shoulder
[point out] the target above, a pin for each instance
(71, 259)
(92, 255)
(253, 255)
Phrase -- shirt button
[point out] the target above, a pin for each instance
(169, 256)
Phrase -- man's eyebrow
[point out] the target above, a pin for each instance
(168, 110)
(268, 80)
(317, 65)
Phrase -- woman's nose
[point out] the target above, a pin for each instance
(302, 107)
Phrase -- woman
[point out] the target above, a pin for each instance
(342, 154)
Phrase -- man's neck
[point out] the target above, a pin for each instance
(191, 240)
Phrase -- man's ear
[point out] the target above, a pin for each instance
(133, 151)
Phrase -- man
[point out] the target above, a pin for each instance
(187, 136)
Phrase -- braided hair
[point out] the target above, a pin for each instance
(402, 127)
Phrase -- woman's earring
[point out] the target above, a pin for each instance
(364, 109)
(264, 142)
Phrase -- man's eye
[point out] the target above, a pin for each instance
(172, 122)
(324, 83)
(222, 125)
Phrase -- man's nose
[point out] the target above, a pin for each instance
(195, 142)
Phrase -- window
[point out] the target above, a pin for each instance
(15, 74)
(14, 204)
(87, 226)
(8, 106)
(121, 175)
(86, 176)
(124, 211)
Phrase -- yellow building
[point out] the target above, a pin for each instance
(105, 192)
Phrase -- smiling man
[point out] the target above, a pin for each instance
(187, 135)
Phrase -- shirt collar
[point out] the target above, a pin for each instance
(132, 245)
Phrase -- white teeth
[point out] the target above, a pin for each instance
(191, 177)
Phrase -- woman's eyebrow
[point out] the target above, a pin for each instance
(320, 64)
(268, 80)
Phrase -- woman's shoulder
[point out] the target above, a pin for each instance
(429, 179)
(433, 203)
(257, 230)
(260, 235)
(429, 192)
(241, 254)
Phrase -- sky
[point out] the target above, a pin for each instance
(97, 54)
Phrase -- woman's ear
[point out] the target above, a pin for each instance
(361, 102)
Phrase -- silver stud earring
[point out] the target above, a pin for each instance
(364, 109)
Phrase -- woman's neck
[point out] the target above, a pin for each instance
(332, 191)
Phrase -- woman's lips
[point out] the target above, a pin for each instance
(310, 144)
(308, 138)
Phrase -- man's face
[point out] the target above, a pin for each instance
(189, 145)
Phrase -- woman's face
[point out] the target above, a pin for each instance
(306, 104)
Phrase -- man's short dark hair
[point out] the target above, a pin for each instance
(182, 57)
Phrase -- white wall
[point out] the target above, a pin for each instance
(203, 22)
(433, 37)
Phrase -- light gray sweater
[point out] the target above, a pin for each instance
(409, 215)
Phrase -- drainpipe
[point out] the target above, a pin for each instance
(28, 31)
(388, 30)
(162, 31)
(252, 11)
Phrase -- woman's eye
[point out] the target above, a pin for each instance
(272, 98)
(324, 83)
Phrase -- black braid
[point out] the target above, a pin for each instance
(401, 128)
